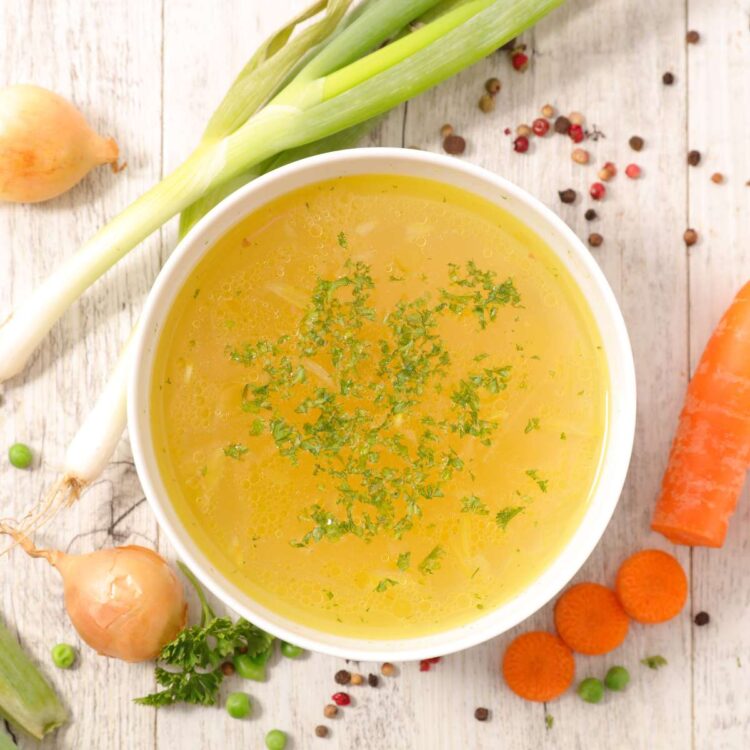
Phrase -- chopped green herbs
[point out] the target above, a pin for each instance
(563, 436)
(404, 561)
(654, 662)
(342, 240)
(506, 515)
(532, 424)
(541, 483)
(353, 387)
(472, 504)
(431, 563)
(385, 584)
(549, 721)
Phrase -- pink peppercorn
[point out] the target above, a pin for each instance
(434, 660)
(521, 144)
(540, 126)
(424, 665)
(633, 171)
(341, 699)
(520, 61)
(597, 191)
(576, 133)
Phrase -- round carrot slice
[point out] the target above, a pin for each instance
(538, 666)
(590, 619)
(652, 586)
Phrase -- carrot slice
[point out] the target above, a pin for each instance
(590, 619)
(652, 586)
(711, 450)
(538, 666)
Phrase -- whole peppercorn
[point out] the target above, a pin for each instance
(597, 191)
(341, 699)
(482, 714)
(590, 215)
(690, 237)
(694, 158)
(454, 144)
(330, 711)
(717, 178)
(667, 79)
(520, 61)
(424, 666)
(595, 239)
(387, 669)
(321, 731)
(580, 156)
(567, 196)
(548, 111)
(562, 125)
(357, 679)
(633, 171)
(486, 103)
(521, 144)
(343, 677)
(692, 37)
(540, 126)
(524, 130)
(607, 172)
(227, 669)
(636, 142)
(702, 618)
(576, 118)
(372, 680)
(492, 86)
(576, 133)
(446, 130)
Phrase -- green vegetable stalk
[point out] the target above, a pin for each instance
(26, 698)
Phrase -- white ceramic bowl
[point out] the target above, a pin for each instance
(570, 251)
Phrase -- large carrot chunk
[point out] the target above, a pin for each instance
(711, 450)
(538, 666)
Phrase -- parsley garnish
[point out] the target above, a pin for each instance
(431, 563)
(342, 240)
(506, 515)
(191, 671)
(549, 721)
(404, 561)
(472, 504)
(384, 584)
(563, 436)
(541, 483)
(654, 662)
(532, 424)
(236, 450)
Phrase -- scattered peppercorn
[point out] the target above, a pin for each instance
(372, 680)
(446, 130)
(633, 171)
(580, 156)
(690, 237)
(576, 118)
(595, 240)
(482, 714)
(636, 142)
(562, 125)
(341, 699)
(343, 677)
(667, 79)
(548, 110)
(424, 666)
(694, 158)
(492, 86)
(568, 195)
(486, 103)
(597, 191)
(242, 649)
(227, 669)
(717, 178)
(357, 679)
(540, 126)
(330, 711)
(520, 61)
(454, 144)
(521, 144)
(701, 619)
(576, 133)
(321, 731)
(387, 669)
(607, 172)
(692, 37)
(523, 130)
(590, 215)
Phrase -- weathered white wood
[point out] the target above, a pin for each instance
(126, 65)
(718, 106)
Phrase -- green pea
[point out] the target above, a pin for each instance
(20, 455)
(64, 655)
(251, 667)
(290, 651)
(238, 705)
(276, 740)
(591, 690)
(617, 678)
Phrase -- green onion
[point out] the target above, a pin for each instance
(341, 83)
(26, 699)
(6, 741)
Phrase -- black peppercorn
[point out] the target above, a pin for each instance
(567, 196)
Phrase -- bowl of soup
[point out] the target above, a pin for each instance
(383, 403)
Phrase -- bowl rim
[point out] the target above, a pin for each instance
(615, 455)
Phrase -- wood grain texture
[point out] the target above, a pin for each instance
(149, 73)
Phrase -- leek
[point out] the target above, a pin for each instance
(26, 699)
(339, 84)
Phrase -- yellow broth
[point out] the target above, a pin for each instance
(248, 506)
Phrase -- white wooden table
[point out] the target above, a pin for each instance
(149, 73)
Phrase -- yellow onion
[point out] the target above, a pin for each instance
(46, 145)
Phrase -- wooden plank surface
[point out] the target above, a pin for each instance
(149, 73)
